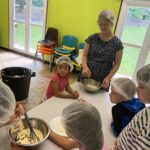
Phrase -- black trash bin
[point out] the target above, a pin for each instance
(18, 79)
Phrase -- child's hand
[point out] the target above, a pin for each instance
(43, 99)
(75, 94)
(19, 110)
(115, 147)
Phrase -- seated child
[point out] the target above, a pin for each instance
(60, 80)
(82, 123)
(122, 94)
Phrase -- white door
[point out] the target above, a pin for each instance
(134, 31)
(27, 24)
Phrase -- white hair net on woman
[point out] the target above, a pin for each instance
(82, 122)
(143, 75)
(107, 14)
(7, 103)
(124, 87)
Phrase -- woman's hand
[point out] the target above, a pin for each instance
(75, 94)
(86, 72)
(105, 83)
(43, 99)
(19, 110)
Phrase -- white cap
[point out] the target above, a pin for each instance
(66, 60)
(82, 122)
(124, 87)
(7, 103)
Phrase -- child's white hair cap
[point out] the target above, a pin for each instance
(82, 121)
(7, 103)
(124, 87)
(66, 60)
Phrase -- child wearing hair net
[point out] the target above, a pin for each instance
(83, 126)
(136, 135)
(9, 111)
(60, 80)
(122, 94)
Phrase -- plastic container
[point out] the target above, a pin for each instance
(18, 79)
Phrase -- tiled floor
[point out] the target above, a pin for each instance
(38, 83)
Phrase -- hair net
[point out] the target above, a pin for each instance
(143, 75)
(124, 87)
(7, 103)
(82, 122)
(65, 59)
(107, 14)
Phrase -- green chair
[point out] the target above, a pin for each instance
(67, 48)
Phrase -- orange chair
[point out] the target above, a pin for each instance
(46, 46)
(44, 50)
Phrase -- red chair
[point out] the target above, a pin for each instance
(46, 46)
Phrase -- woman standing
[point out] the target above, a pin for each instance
(102, 51)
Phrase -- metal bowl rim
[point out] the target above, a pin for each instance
(35, 144)
(90, 90)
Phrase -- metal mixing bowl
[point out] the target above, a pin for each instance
(35, 123)
(91, 85)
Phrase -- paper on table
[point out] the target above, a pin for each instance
(56, 126)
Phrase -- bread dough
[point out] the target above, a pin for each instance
(24, 136)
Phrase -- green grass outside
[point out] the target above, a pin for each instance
(20, 34)
(129, 60)
(130, 56)
(134, 34)
(35, 35)
(131, 34)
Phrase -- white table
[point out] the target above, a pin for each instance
(54, 106)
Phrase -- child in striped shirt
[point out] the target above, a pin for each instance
(136, 135)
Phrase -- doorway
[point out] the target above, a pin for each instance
(134, 31)
(27, 24)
